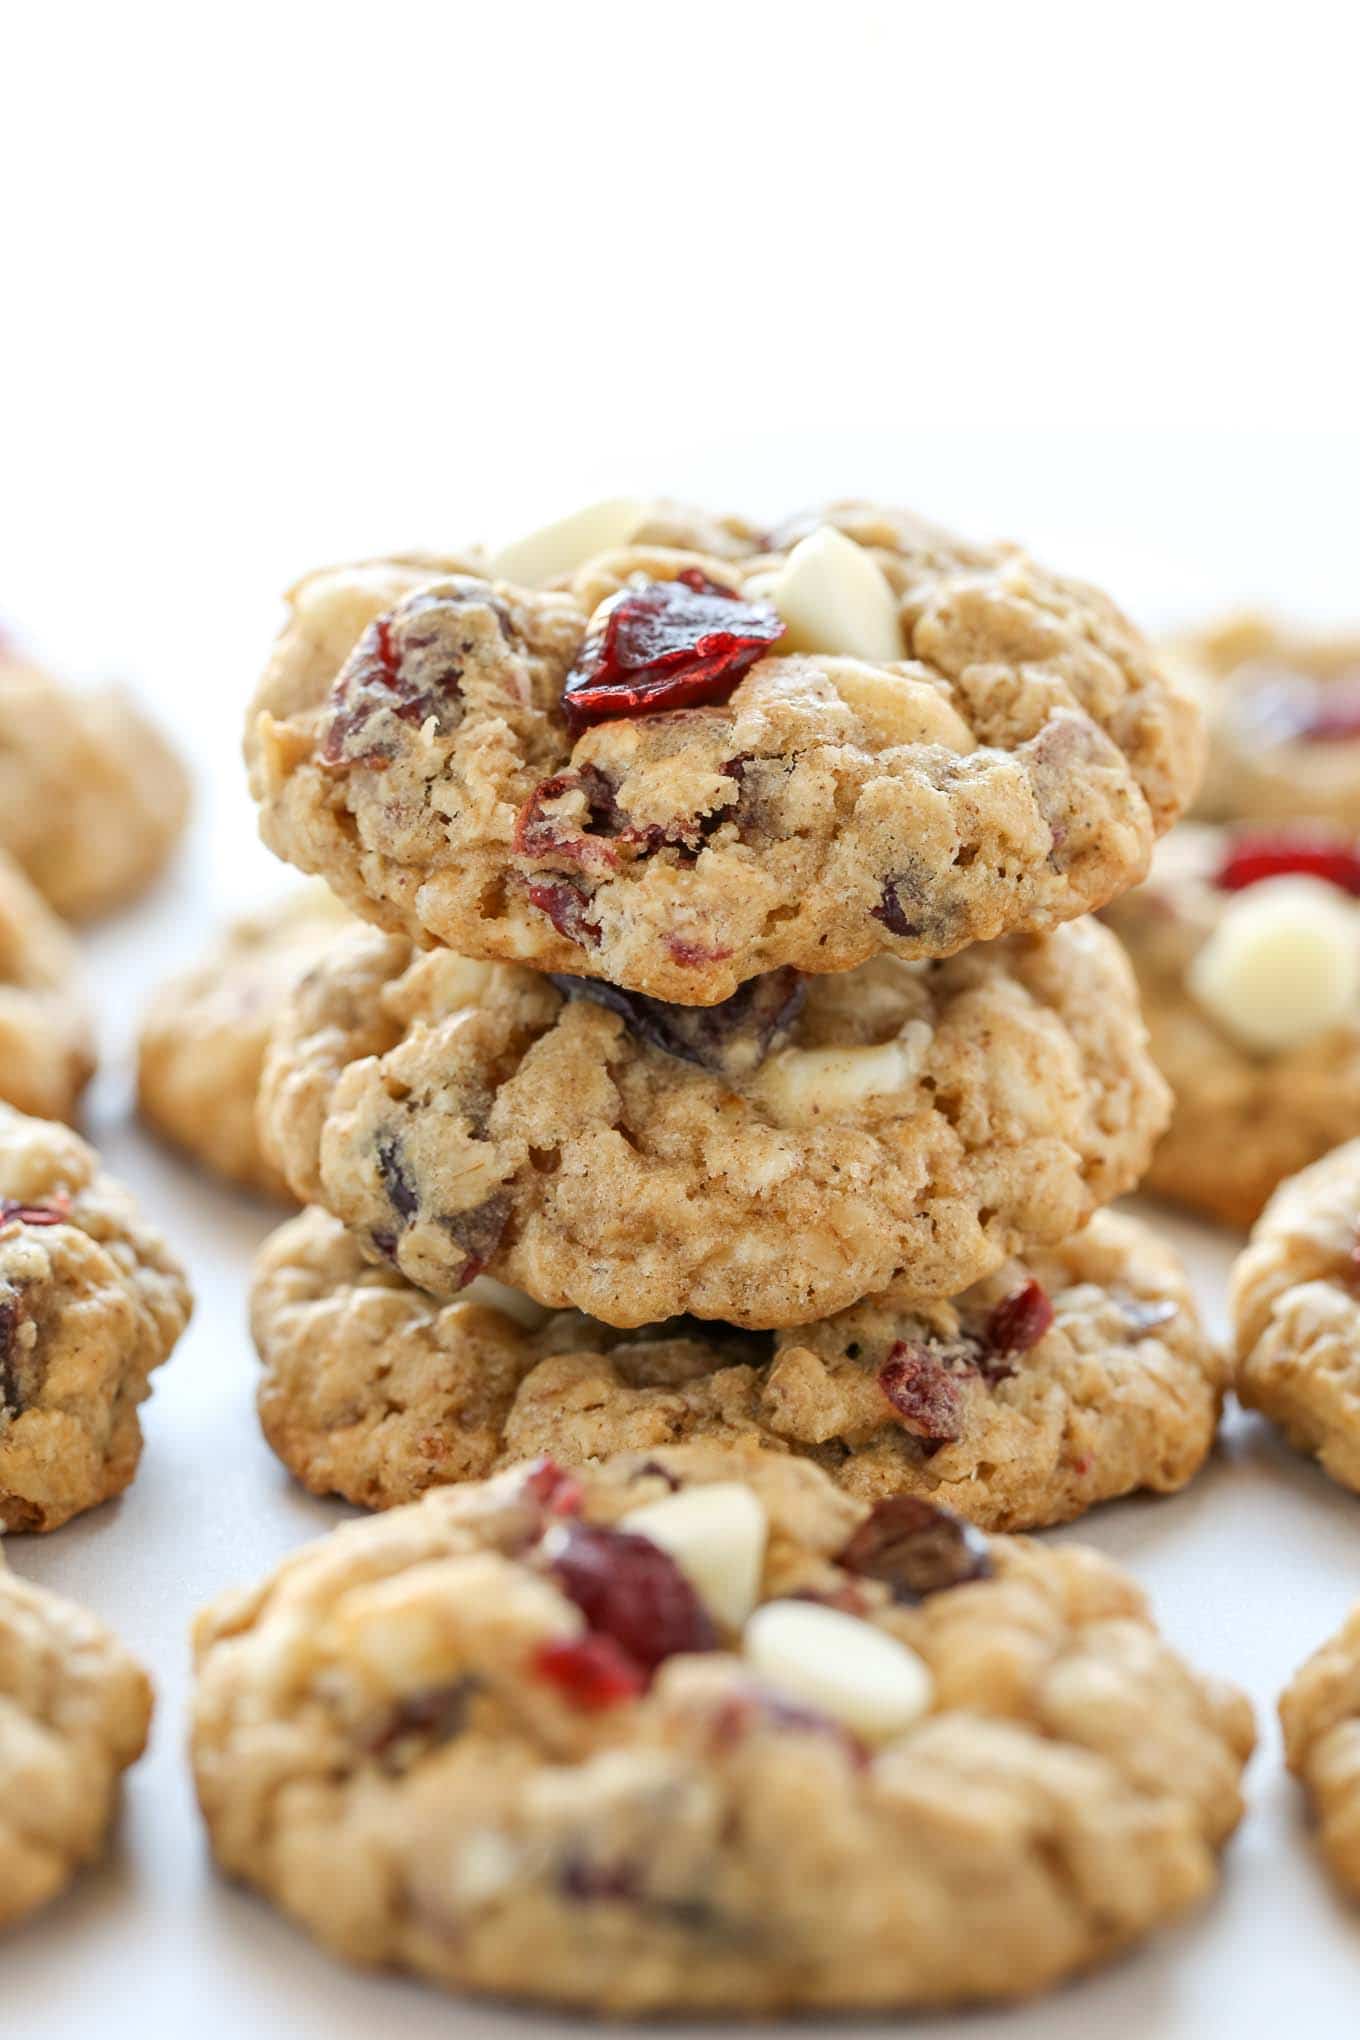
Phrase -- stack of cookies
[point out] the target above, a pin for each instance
(729, 1054)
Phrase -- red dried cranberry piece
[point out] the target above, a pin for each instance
(1335, 715)
(55, 1213)
(891, 910)
(1020, 1320)
(478, 1232)
(539, 835)
(924, 1394)
(592, 1672)
(629, 1589)
(666, 645)
(916, 1548)
(567, 907)
(11, 1396)
(435, 1716)
(1284, 852)
(407, 664)
(732, 1038)
(554, 1488)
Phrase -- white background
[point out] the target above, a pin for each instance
(281, 284)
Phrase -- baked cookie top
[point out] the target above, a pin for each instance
(1080, 1373)
(1295, 1305)
(766, 1161)
(91, 1300)
(92, 797)
(610, 1739)
(695, 753)
(1246, 945)
(46, 1041)
(1283, 710)
(1320, 1715)
(203, 1039)
(74, 1713)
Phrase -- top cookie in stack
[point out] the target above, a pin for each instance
(662, 775)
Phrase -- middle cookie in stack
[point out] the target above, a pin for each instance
(797, 777)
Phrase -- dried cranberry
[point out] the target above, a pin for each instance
(478, 1232)
(400, 1191)
(630, 1590)
(592, 1672)
(554, 1488)
(694, 955)
(891, 910)
(11, 1396)
(1312, 853)
(55, 1213)
(1020, 1320)
(916, 1548)
(407, 664)
(666, 645)
(434, 1716)
(539, 835)
(732, 1038)
(1335, 715)
(566, 906)
(924, 1394)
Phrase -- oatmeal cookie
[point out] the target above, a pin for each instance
(90, 1302)
(1247, 952)
(203, 1039)
(613, 1741)
(767, 1161)
(1283, 710)
(46, 1043)
(92, 797)
(1320, 1715)
(651, 772)
(1076, 1375)
(1295, 1306)
(74, 1713)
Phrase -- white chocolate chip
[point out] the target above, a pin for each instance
(511, 1303)
(843, 1667)
(834, 598)
(1282, 965)
(562, 547)
(716, 1535)
(801, 1084)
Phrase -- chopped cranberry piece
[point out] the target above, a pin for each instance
(916, 1548)
(732, 1038)
(891, 911)
(666, 645)
(566, 907)
(11, 1397)
(407, 664)
(397, 1185)
(1335, 715)
(1282, 853)
(557, 1490)
(592, 1672)
(693, 955)
(434, 1716)
(539, 835)
(478, 1232)
(1020, 1320)
(55, 1213)
(923, 1393)
(630, 1590)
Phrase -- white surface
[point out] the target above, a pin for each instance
(292, 282)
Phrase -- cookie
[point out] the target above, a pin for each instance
(1320, 1716)
(1076, 1375)
(92, 797)
(766, 1162)
(74, 1713)
(1283, 709)
(1247, 951)
(676, 769)
(91, 1301)
(46, 1042)
(1295, 1306)
(203, 1039)
(696, 1731)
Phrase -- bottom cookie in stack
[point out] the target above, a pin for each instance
(696, 1730)
(1077, 1375)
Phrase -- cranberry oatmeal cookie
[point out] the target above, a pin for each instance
(74, 1713)
(767, 1161)
(204, 1037)
(1283, 709)
(46, 1043)
(1247, 949)
(694, 753)
(608, 1741)
(1295, 1306)
(90, 1302)
(92, 797)
(1079, 1374)
(1320, 1715)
